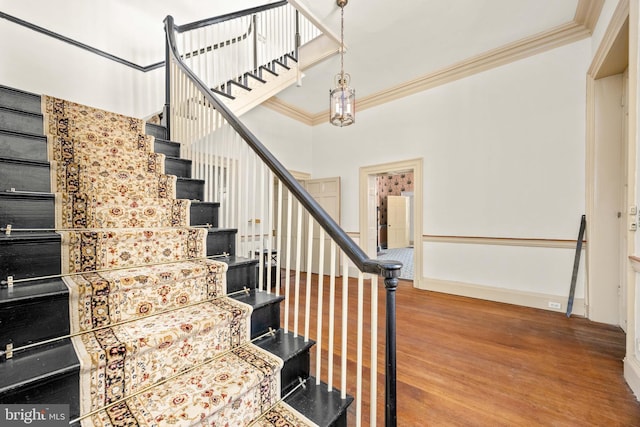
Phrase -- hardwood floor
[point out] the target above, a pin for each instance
(468, 362)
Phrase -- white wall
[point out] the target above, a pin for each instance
(288, 139)
(503, 156)
(43, 65)
(131, 30)
(603, 22)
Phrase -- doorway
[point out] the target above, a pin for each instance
(374, 211)
(293, 226)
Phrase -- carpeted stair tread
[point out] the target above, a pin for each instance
(157, 288)
(226, 391)
(130, 248)
(190, 363)
(37, 364)
(122, 211)
(319, 405)
(147, 350)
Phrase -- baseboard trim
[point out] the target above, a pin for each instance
(632, 374)
(509, 296)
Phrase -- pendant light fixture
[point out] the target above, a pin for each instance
(342, 99)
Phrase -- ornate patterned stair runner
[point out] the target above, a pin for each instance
(160, 343)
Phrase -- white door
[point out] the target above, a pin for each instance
(397, 222)
(326, 191)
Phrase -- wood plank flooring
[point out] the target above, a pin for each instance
(468, 362)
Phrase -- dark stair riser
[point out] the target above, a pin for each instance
(21, 121)
(63, 389)
(240, 275)
(23, 146)
(221, 241)
(168, 148)
(43, 375)
(19, 100)
(33, 311)
(27, 210)
(295, 353)
(178, 167)
(29, 255)
(35, 176)
(156, 130)
(325, 408)
(24, 176)
(34, 321)
(38, 211)
(266, 311)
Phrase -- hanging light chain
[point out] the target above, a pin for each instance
(342, 82)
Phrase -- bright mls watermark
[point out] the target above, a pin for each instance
(34, 415)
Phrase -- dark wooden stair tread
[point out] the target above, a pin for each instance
(38, 364)
(321, 406)
(258, 299)
(284, 345)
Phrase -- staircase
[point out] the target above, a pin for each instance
(37, 365)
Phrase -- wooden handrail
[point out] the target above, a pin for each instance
(388, 269)
(384, 268)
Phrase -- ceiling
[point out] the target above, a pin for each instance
(388, 43)
(394, 42)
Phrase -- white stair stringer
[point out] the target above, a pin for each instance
(310, 54)
(246, 100)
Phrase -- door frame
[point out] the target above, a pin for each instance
(608, 60)
(625, 10)
(412, 165)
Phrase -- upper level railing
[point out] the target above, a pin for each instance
(274, 214)
(225, 48)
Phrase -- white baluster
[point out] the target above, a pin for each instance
(320, 310)
(307, 305)
(332, 302)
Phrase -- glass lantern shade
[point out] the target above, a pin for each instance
(342, 102)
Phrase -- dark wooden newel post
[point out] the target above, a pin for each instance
(390, 274)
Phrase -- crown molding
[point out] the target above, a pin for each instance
(588, 12)
(585, 19)
(288, 110)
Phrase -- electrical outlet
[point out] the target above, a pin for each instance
(555, 305)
